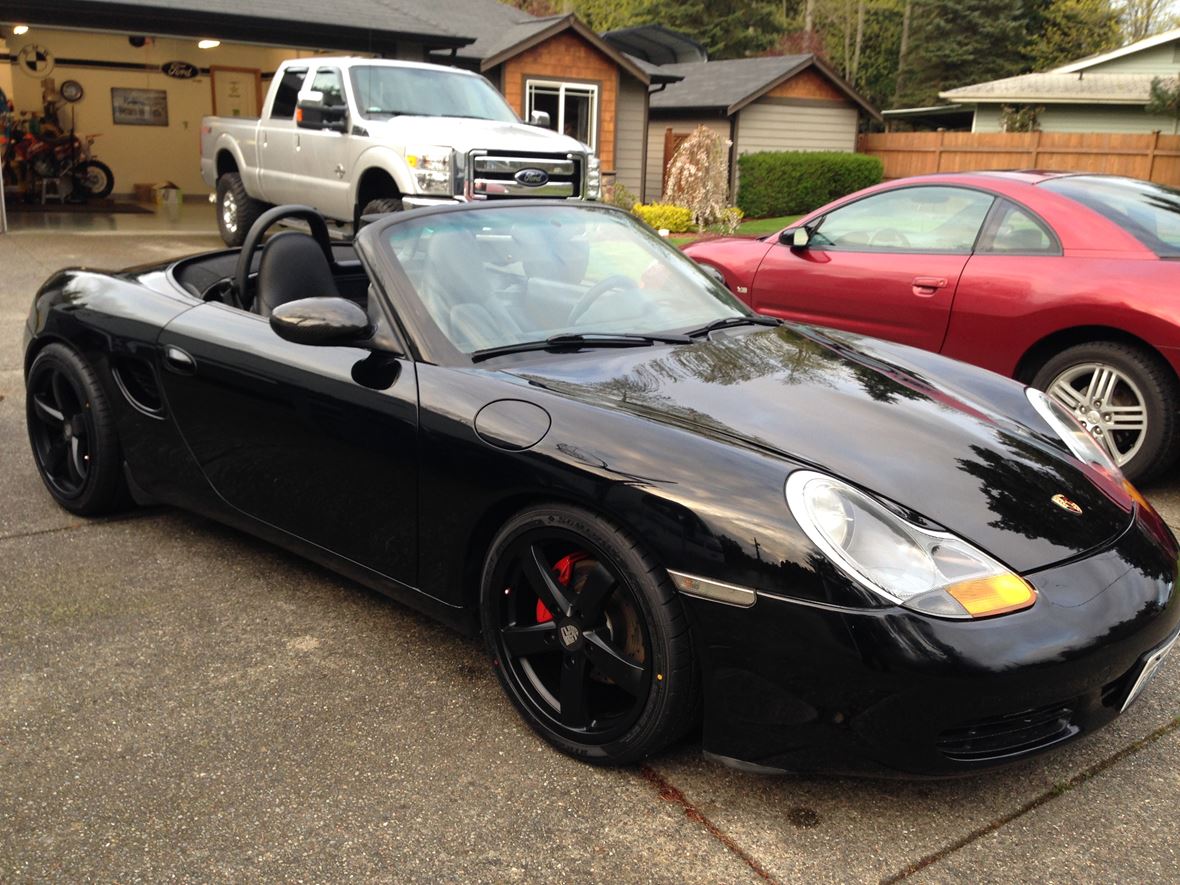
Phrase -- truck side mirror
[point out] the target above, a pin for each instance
(312, 113)
(539, 118)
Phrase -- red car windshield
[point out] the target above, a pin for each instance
(1149, 212)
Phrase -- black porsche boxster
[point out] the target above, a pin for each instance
(541, 422)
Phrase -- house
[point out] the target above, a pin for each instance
(1103, 93)
(149, 70)
(778, 103)
(230, 50)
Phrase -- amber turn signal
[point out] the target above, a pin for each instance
(997, 595)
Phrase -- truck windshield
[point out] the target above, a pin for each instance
(426, 92)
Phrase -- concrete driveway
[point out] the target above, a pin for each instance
(180, 701)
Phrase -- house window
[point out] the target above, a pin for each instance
(572, 108)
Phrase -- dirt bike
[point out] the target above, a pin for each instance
(68, 157)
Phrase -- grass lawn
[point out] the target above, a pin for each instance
(755, 227)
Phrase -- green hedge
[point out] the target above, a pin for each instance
(794, 182)
(663, 215)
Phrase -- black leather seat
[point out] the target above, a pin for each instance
(293, 266)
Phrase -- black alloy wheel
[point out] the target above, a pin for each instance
(590, 640)
(72, 433)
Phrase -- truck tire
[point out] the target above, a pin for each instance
(236, 210)
(383, 205)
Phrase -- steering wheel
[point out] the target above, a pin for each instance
(240, 293)
(614, 281)
(889, 236)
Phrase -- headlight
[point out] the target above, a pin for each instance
(1084, 447)
(593, 178)
(928, 571)
(431, 167)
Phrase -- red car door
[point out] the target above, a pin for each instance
(886, 265)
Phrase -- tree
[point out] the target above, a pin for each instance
(1165, 99)
(1073, 29)
(1142, 18)
(727, 29)
(957, 42)
(609, 15)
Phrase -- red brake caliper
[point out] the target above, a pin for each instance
(564, 568)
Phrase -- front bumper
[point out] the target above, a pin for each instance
(794, 686)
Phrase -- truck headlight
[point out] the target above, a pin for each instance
(929, 571)
(431, 166)
(593, 178)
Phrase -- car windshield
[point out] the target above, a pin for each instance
(1149, 212)
(497, 277)
(427, 92)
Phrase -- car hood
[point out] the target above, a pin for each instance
(464, 135)
(817, 399)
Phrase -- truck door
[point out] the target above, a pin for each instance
(277, 140)
(321, 155)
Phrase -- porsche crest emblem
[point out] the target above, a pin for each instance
(1065, 504)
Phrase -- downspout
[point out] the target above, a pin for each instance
(733, 143)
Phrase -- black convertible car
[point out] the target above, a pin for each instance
(540, 421)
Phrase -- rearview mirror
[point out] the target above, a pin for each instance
(800, 237)
(322, 321)
(312, 113)
(539, 118)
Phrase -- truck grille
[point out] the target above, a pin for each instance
(494, 176)
(1006, 736)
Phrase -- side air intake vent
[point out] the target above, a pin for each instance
(137, 382)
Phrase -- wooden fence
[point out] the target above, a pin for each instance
(1151, 156)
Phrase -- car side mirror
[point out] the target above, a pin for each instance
(539, 118)
(335, 322)
(799, 238)
(312, 113)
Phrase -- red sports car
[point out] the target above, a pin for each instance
(1070, 283)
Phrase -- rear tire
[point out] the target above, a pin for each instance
(236, 210)
(95, 179)
(72, 433)
(1142, 390)
(598, 660)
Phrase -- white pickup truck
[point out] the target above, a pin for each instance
(350, 136)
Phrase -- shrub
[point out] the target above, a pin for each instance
(676, 219)
(698, 176)
(794, 183)
(620, 195)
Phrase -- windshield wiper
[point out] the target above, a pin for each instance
(730, 322)
(588, 339)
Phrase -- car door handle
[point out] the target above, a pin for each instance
(927, 286)
(179, 361)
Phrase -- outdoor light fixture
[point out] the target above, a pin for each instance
(208, 44)
(18, 30)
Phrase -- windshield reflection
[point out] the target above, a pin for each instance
(498, 277)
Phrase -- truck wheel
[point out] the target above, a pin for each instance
(236, 210)
(380, 207)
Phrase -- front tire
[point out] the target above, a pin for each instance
(589, 637)
(382, 206)
(72, 433)
(236, 210)
(1125, 396)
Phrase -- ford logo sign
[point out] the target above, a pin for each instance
(532, 177)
